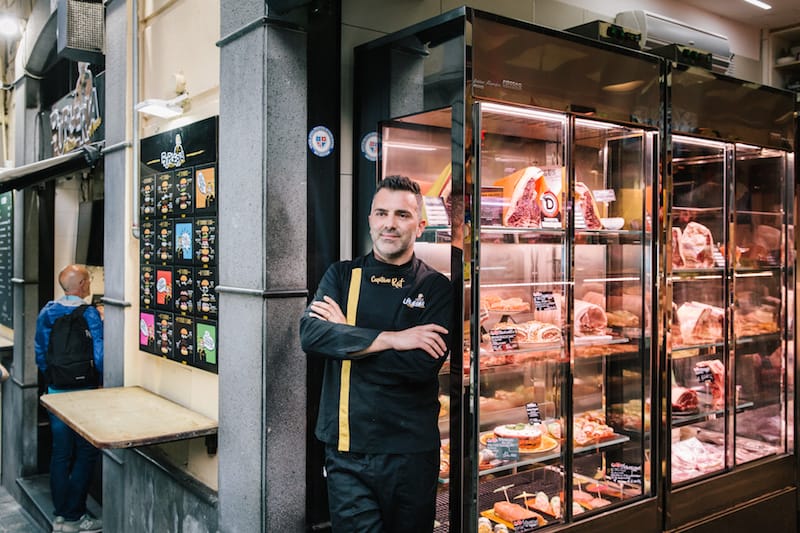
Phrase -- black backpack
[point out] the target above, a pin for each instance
(70, 355)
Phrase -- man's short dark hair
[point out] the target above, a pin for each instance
(402, 183)
(399, 183)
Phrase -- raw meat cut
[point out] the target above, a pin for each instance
(684, 399)
(696, 246)
(586, 205)
(590, 319)
(677, 260)
(522, 210)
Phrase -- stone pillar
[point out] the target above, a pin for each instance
(117, 265)
(262, 267)
(21, 394)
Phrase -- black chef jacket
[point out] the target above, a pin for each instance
(383, 402)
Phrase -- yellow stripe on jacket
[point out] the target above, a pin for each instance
(344, 386)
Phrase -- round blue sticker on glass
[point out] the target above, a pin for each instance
(320, 140)
(369, 146)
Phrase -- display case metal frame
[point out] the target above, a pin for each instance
(395, 76)
(710, 106)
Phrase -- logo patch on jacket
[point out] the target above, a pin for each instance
(418, 302)
(397, 283)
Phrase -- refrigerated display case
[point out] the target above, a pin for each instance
(538, 163)
(731, 275)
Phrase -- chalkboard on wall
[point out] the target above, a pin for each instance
(6, 259)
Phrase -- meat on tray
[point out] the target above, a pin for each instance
(684, 399)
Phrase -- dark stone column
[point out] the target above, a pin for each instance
(118, 270)
(262, 266)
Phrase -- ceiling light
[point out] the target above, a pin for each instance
(757, 3)
(9, 26)
(163, 108)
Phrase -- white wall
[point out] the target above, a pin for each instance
(177, 39)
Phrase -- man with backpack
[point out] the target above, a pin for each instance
(69, 352)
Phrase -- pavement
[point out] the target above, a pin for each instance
(12, 518)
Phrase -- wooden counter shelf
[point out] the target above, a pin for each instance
(125, 417)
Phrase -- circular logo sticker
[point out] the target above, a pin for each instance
(549, 203)
(320, 140)
(369, 146)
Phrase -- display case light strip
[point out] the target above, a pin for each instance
(594, 125)
(520, 112)
(754, 275)
(410, 146)
(534, 284)
(698, 142)
(604, 280)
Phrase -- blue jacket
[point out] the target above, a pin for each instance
(54, 310)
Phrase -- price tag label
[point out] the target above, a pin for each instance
(703, 374)
(504, 339)
(544, 301)
(625, 473)
(534, 415)
(526, 524)
(504, 449)
(435, 211)
(604, 195)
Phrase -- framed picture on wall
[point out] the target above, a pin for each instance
(147, 331)
(183, 232)
(147, 287)
(205, 345)
(205, 189)
(183, 290)
(163, 334)
(184, 192)
(183, 351)
(205, 281)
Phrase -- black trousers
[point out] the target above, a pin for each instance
(377, 493)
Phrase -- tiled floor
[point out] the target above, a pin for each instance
(12, 518)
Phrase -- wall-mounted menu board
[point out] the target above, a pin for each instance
(6, 259)
(178, 244)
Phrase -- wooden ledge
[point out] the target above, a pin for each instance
(125, 417)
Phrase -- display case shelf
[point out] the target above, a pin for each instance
(695, 274)
(679, 420)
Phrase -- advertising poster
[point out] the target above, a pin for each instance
(205, 230)
(165, 194)
(163, 242)
(184, 340)
(206, 341)
(147, 241)
(178, 188)
(183, 241)
(164, 334)
(184, 192)
(147, 196)
(147, 287)
(164, 288)
(184, 291)
(205, 293)
(147, 331)
(205, 195)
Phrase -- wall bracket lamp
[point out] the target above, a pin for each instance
(163, 108)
